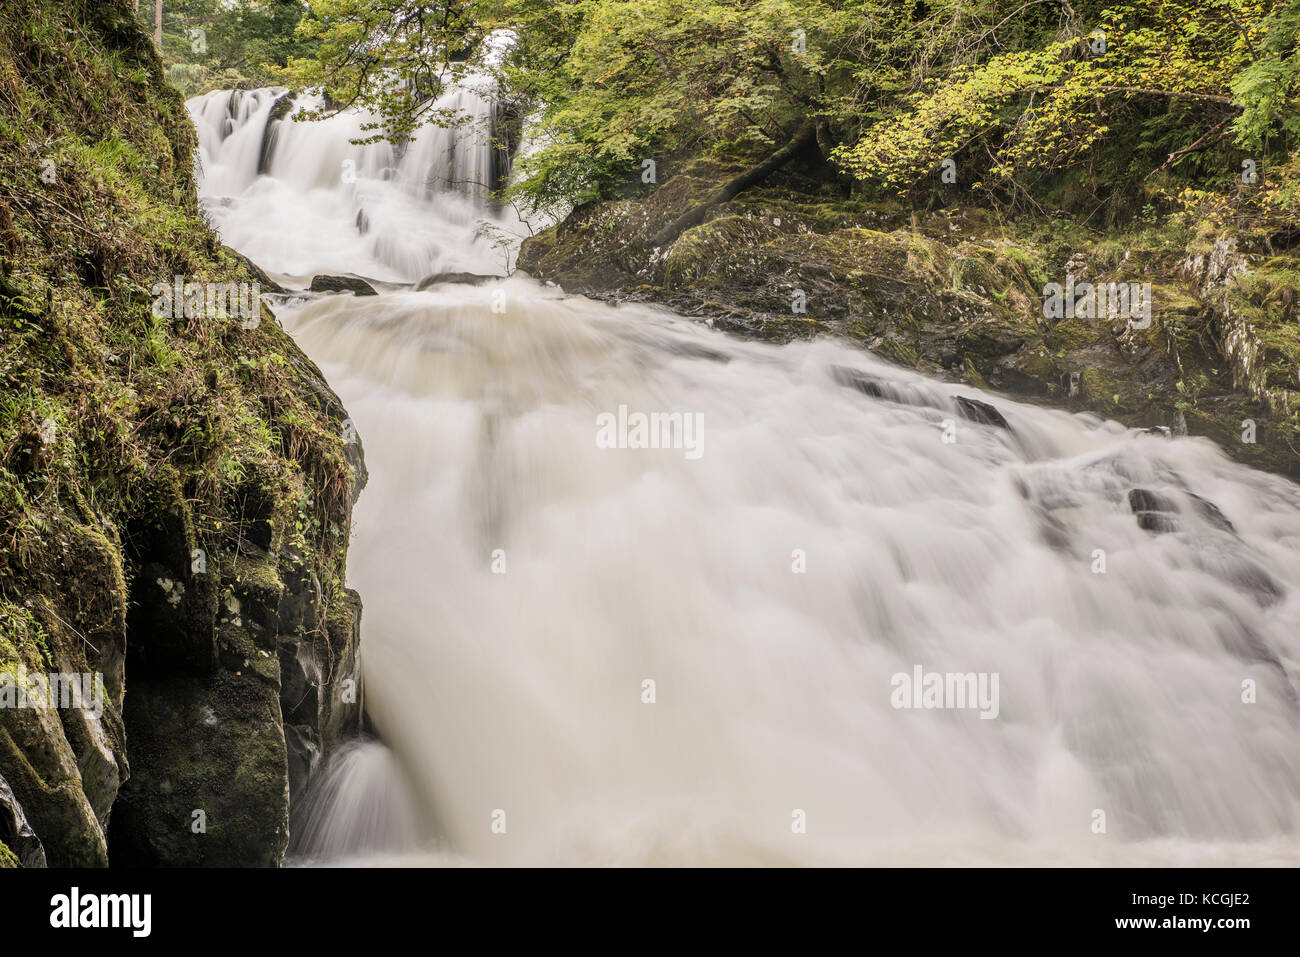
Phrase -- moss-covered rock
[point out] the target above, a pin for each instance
(211, 783)
(175, 490)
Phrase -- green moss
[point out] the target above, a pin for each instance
(978, 273)
(705, 249)
(900, 352)
(23, 639)
(128, 442)
(972, 375)
(8, 859)
(1102, 390)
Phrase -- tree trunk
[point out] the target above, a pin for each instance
(157, 23)
(806, 134)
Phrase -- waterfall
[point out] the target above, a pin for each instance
(361, 804)
(581, 653)
(521, 691)
(301, 198)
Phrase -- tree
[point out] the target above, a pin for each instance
(1040, 101)
(393, 59)
(208, 44)
(1145, 84)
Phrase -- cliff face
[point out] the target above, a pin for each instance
(176, 485)
(957, 293)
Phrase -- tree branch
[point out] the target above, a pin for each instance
(806, 134)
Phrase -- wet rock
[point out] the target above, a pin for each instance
(172, 604)
(1211, 513)
(507, 127)
(63, 759)
(1157, 522)
(40, 767)
(1251, 577)
(266, 149)
(304, 754)
(1051, 530)
(210, 781)
(1144, 500)
(440, 278)
(867, 385)
(350, 284)
(1155, 512)
(981, 412)
(16, 834)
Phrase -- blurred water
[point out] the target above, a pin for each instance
(522, 692)
(827, 539)
(324, 205)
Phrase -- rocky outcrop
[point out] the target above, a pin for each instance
(507, 127)
(959, 294)
(176, 489)
(244, 673)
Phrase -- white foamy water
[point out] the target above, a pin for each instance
(323, 205)
(519, 696)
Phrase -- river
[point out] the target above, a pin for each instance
(705, 653)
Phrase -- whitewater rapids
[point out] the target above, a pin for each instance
(846, 522)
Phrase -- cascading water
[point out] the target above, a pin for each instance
(299, 198)
(838, 522)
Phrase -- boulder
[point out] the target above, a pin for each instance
(342, 284)
(468, 278)
(981, 412)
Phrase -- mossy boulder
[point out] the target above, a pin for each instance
(351, 284)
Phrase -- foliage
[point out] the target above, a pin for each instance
(224, 44)
(1160, 88)
(1023, 96)
(390, 59)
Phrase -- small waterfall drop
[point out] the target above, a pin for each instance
(359, 804)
